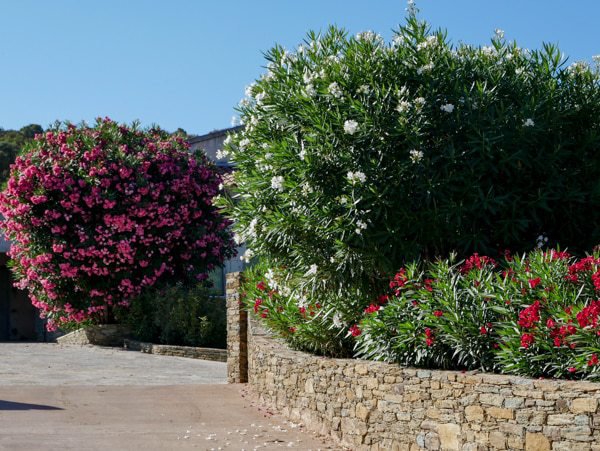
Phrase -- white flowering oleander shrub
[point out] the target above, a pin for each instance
(358, 156)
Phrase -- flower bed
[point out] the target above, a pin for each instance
(376, 405)
(533, 315)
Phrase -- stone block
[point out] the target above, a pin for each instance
(497, 439)
(536, 442)
(362, 412)
(449, 435)
(581, 405)
(560, 419)
(491, 399)
(474, 413)
(498, 412)
(514, 403)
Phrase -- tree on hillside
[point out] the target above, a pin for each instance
(11, 143)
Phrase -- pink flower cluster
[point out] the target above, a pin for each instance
(95, 214)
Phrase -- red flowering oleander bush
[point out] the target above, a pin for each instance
(535, 315)
(96, 214)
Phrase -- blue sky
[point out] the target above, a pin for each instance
(185, 63)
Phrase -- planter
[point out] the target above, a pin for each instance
(99, 335)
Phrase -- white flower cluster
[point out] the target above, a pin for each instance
(489, 50)
(247, 257)
(277, 183)
(360, 226)
(249, 89)
(420, 102)
(364, 89)
(403, 106)
(528, 122)
(499, 33)
(447, 108)
(425, 68)
(251, 230)
(337, 320)
(244, 143)
(335, 90)
(350, 127)
(368, 36)
(578, 67)
(429, 42)
(541, 241)
(356, 177)
(271, 279)
(222, 154)
(310, 90)
(416, 156)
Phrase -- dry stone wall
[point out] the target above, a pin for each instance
(376, 406)
(191, 352)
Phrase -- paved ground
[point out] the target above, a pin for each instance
(85, 398)
(53, 364)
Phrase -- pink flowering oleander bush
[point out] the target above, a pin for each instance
(96, 214)
(358, 156)
(534, 315)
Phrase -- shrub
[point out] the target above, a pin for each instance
(358, 156)
(95, 214)
(178, 315)
(535, 315)
(274, 297)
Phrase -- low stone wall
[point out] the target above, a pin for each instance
(376, 406)
(218, 355)
(99, 335)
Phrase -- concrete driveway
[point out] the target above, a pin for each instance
(56, 397)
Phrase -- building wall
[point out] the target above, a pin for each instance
(210, 144)
(19, 319)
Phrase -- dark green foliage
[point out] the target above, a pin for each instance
(178, 315)
(11, 143)
(359, 156)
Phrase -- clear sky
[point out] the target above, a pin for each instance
(185, 63)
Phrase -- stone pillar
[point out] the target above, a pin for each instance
(237, 331)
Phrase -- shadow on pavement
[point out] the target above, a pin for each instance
(10, 405)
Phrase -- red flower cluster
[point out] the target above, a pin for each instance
(429, 337)
(262, 286)
(399, 280)
(527, 340)
(476, 261)
(438, 313)
(355, 330)
(372, 309)
(559, 334)
(529, 316)
(585, 265)
(97, 214)
(534, 282)
(588, 316)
